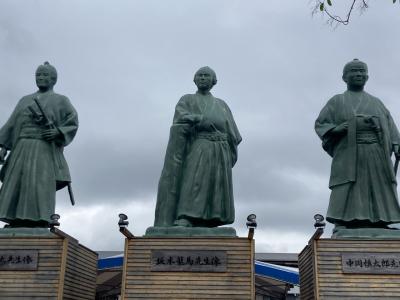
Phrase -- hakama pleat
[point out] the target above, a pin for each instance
(206, 195)
(29, 187)
(372, 197)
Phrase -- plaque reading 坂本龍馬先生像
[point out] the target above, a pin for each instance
(18, 260)
(371, 263)
(188, 261)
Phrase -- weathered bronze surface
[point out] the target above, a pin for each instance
(42, 124)
(195, 188)
(359, 133)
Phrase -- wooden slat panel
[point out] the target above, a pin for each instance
(306, 269)
(42, 283)
(74, 280)
(334, 284)
(80, 273)
(140, 283)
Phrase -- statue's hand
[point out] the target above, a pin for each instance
(191, 119)
(396, 151)
(3, 153)
(50, 134)
(340, 129)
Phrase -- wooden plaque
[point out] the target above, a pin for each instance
(371, 263)
(18, 260)
(188, 261)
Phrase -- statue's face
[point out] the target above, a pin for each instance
(357, 75)
(203, 80)
(43, 78)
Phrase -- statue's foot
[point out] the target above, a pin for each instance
(183, 223)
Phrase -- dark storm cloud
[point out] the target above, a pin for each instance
(125, 64)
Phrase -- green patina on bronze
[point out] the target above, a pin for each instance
(358, 132)
(195, 188)
(35, 167)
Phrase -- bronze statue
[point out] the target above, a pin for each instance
(195, 188)
(36, 133)
(359, 133)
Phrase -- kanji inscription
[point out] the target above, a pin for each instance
(18, 260)
(188, 261)
(371, 263)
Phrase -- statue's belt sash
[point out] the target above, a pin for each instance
(368, 130)
(31, 132)
(367, 137)
(213, 136)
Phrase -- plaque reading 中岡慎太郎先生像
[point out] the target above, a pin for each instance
(18, 260)
(188, 261)
(371, 263)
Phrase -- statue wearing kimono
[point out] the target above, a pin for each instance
(358, 132)
(35, 167)
(195, 188)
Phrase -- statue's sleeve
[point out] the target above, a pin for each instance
(184, 112)
(68, 123)
(181, 110)
(393, 131)
(234, 137)
(7, 132)
(170, 180)
(323, 126)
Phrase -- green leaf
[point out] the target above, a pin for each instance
(330, 2)
(321, 7)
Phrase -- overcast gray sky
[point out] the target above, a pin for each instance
(125, 64)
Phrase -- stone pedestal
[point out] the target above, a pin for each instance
(188, 268)
(45, 265)
(350, 269)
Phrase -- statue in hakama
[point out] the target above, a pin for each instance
(34, 137)
(195, 188)
(358, 132)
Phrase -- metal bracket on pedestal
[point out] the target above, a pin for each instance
(319, 226)
(123, 224)
(251, 225)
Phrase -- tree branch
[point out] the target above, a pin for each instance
(320, 5)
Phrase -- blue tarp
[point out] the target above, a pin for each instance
(110, 262)
(285, 274)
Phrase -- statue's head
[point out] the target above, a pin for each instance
(46, 76)
(205, 78)
(355, 73)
